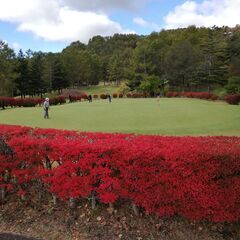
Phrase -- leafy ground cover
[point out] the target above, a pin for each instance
(48, 222)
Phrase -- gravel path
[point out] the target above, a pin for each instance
(8, 236)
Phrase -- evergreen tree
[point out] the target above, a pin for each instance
(37, 84)
(181, 63)
(234, 53)
(22, 80)
(59, 80)
(7, 74)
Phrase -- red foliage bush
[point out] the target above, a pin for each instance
(29, 102)
(172, 94)
(183, 94)
(115, 95)
(84, 96)
(120, 95)
(103, 96)
(137, 95)
(5, 102)
(200, 95)
(129, 95)
(188, 176)
(57, 100)
(25, 102)
(233, 99)
(79, 98)
(214, 97)
(95, 96)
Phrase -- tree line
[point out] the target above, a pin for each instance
(187, 59)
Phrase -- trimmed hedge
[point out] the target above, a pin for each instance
(195, 177)
(199, 95)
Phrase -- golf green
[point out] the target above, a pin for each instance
(168, 116)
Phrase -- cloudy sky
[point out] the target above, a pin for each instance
(50, 25)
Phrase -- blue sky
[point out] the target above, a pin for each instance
(51, 25)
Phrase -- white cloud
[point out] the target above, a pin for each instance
(103, 5)
(16, 46)
(208, 13)
(54, 20)
(143, 23)
(140, 21)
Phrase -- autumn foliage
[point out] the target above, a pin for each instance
(199, 95)
(195, 177)
(233, 99)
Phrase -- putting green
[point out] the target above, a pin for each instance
(168, 116)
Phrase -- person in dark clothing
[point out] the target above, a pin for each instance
(90, 98)
(109, 98)
(70, 98)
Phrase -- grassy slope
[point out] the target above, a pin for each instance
(145, 116)
(107, 89)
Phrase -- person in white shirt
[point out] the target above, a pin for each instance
(46, 108)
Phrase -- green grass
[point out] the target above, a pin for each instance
(142, 116)
(101, 88)
(220, 91)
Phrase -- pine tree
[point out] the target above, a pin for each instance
(7, 65)
(37, 84)
(22, 80)
(59, 80)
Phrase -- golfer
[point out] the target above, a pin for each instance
(46, 107)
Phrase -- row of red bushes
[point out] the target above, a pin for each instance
(78, 97)
(32, 102)
(233, 99)
(195, 177)
(120, 95)
(200, 95)
(28, 102)
(19, 102)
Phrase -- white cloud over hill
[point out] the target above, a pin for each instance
(207, 13)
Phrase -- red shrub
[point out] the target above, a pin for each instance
(103, 96)
(115, 95)
(172, 94)
(129, 95)
(57, 100)
(95, 96)
(120, 95)
(84, 96)
(187, 176)
(214, 97)
(183, 94)
(79, 98)
(233, 99)
(200, 95)
(5, 102)
(137, 95)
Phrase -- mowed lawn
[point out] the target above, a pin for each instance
(141, 116)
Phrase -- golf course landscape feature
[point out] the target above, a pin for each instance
(141, 116)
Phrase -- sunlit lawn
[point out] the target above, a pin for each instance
(142, 116)
(99, 89)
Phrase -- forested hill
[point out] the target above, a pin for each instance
(189, 58)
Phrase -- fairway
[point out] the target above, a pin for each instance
(141, 116)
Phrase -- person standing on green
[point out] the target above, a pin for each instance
(46, 107)
(109, 98)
